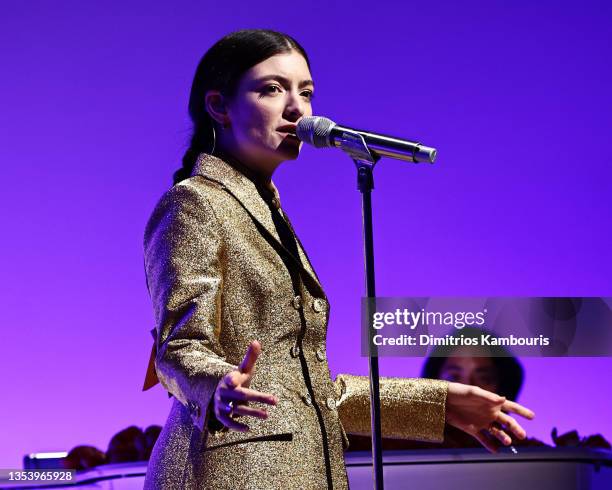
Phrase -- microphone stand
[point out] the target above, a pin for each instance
(355, 146)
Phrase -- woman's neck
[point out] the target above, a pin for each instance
(250, 172)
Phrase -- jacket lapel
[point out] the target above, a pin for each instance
(244, 190)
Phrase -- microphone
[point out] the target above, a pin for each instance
(322, 132)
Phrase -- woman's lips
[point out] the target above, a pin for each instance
(287, 129)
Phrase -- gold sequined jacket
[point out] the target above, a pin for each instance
(216, 279)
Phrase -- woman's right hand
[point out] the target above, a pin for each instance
(233, 393)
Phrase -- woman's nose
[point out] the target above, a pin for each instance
(295, 107)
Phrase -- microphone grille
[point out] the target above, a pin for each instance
(315, 130)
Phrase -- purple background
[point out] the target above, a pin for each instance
(515, 96)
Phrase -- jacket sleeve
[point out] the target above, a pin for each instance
(182, 249)
(411, 408)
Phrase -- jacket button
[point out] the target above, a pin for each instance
(306, 399)
(297, 302)
(275, 202)
(331, 403)
(295, 350)
(318, 305)
(321, 355)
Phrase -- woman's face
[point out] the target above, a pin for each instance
(471, 370)
(272, 97)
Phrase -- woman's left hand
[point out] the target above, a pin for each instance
(484, 415)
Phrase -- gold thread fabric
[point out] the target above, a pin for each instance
(217, 282)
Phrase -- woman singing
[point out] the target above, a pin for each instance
(234, 292)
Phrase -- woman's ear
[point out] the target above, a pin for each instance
(216, 107)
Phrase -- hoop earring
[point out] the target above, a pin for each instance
(214, 140)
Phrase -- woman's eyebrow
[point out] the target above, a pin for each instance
(284, 81)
